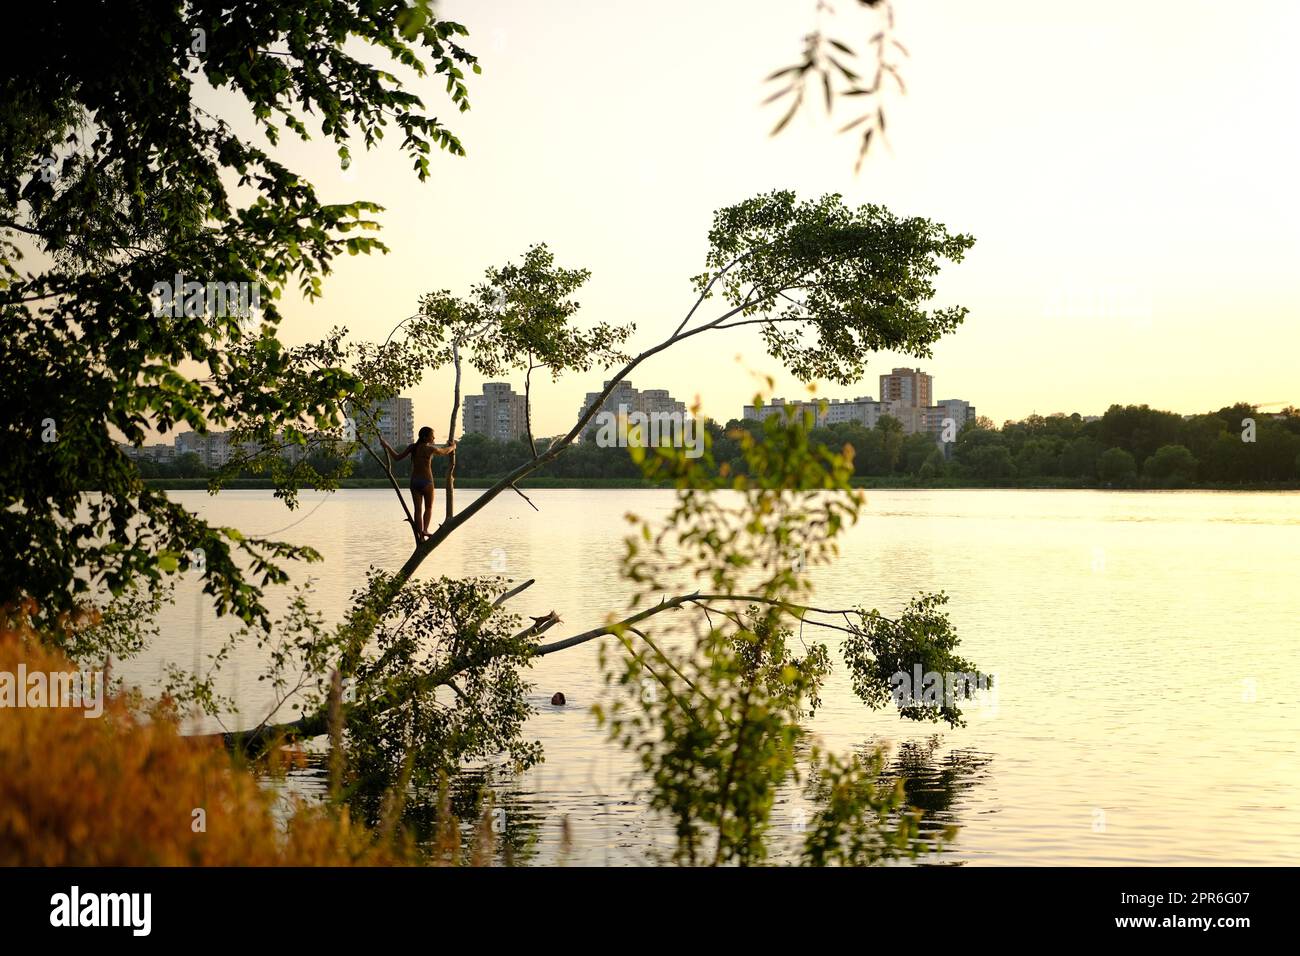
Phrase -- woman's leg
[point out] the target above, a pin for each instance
(428, 507)
(415, 511)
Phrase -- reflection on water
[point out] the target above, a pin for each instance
(1144, 644)
(936, 782)
(532, 826)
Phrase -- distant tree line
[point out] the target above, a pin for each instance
(1135, 445)
(1129, 446)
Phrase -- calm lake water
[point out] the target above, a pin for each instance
(1146, 648)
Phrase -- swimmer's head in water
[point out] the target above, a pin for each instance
(426, 433)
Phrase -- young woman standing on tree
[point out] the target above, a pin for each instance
(421, 452)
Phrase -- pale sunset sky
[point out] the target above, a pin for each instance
(1128, 170)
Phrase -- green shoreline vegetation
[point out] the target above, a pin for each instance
(1043, 484)
(1135, 447)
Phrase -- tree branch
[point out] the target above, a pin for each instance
(528, 409)
(313, 725)
(451, 432)
(387, 465)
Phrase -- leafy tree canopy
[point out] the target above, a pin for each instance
(119, 180)
(829, 283)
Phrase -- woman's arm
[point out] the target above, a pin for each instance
(389, 448)
(446, 449)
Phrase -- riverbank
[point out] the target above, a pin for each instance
(201, 484)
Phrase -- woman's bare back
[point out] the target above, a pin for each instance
(422, 459)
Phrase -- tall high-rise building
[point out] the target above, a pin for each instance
(910, 386)
(394, 417)
(498, 413)
(657, 400)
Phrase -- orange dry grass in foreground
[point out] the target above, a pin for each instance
(122, 790)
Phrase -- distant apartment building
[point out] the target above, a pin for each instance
(624, 400)
(910, 386)
(864, 410)
(622, 397)
(811, 408)
(905, 397)
(658, 401)
(956, 410)
(499, 413)
(213, 448)
(158, 452)
(393, 418)
(945, 420)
